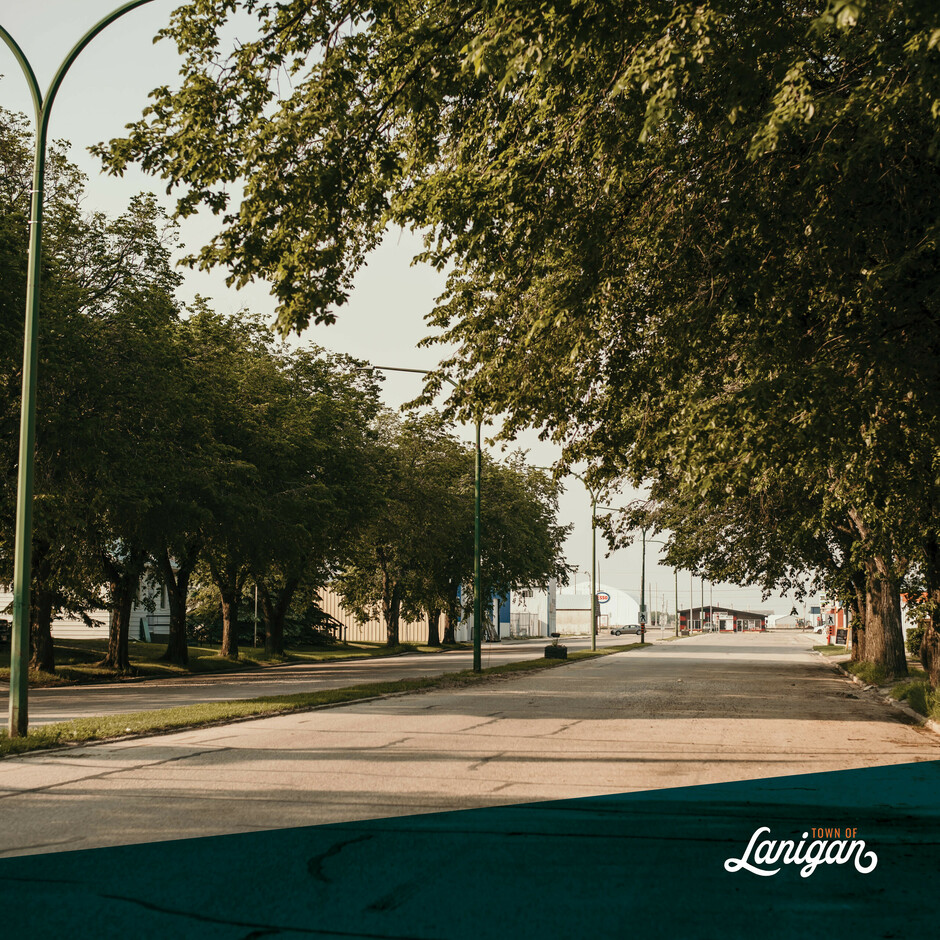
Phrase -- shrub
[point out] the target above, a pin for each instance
(870, 673)
(915, 636)
(916, 692)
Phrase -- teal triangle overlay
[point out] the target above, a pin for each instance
(635, 865)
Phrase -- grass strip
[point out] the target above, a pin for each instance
(137, 724)
(917, 693)
(830, 650)
(869, 673)
(78, 662)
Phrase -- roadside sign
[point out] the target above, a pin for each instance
(602, 597)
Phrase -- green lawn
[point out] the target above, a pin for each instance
(77, 660)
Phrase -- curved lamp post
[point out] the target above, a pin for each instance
(22, 553)
(593, 495)
(477, 487)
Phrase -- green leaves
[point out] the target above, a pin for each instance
(695, 245)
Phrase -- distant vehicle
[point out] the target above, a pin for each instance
(629, 628)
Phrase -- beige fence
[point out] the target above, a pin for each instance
(372, 631)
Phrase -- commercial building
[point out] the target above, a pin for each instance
(714, 618)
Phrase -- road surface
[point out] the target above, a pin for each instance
(62, 703)
(704, 710)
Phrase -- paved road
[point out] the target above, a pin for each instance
(63, 703)
(704, 710)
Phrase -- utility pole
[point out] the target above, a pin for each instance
(677, 601)
(702, 604)
(23, 530)
(643, 592)
(593, 570)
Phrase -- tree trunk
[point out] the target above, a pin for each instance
(860, 613)
(450, 630)
(434, 632)
(451, 616)
(43, 650)
(42, 602)
(230, 603)
(124, 580)
(177, 589)
(391, 609)
(884, 638)
(274, 610)
(122, 596)
(229, 580)
(930, 644)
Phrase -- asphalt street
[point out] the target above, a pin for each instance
(704, 710)
(63, 703)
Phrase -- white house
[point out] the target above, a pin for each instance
(150, 617)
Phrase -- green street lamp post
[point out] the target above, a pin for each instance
(643, 613)
(677, 602)
(643, 591)
(477, 488)
(593, 495)
(22, 553)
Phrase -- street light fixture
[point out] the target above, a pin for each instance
(593, 495)
(477, 487)
(22, 552)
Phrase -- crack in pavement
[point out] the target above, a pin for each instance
(115, 772)
(315, 864)
(485, 760)
(481, 724)
(254, 925)
(565, 727)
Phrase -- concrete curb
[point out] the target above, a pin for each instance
(915, 716)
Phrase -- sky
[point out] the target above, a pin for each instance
(107, 87)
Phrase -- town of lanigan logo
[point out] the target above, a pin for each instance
(827, 848)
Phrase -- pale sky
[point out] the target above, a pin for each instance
(107, 88)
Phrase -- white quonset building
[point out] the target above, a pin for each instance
(530, 611)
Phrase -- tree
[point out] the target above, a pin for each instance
(405, 540)
(415, 551)
(316, 482)
(697, 237)
(106, 302)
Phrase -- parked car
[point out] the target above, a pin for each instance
(629, 628)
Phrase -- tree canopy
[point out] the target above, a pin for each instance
(414, 552)
(696, 245)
